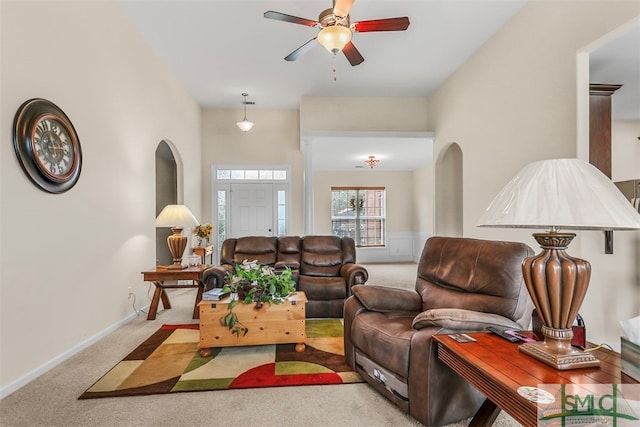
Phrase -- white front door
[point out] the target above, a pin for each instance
(251, 210)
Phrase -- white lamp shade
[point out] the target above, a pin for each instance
(334, 38)
(561, 193)
(245, 125)
(176, 216)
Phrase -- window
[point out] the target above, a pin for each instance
(359, 213)
(222, 217)
(251, 174)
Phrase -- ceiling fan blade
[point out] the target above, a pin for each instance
(289, 18)
(342, 7)
(389, 24)
(353, 55)
(302, 50)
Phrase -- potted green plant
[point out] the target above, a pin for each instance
(250, 282)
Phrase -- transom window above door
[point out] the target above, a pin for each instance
(252, 174)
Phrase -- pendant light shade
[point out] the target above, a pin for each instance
(245, 125)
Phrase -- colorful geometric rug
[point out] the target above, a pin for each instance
(169, 361)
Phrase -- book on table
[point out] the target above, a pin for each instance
(215, 294)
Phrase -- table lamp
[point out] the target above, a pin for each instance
(176, 217)
(560, 194)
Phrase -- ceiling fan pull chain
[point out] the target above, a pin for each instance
(334, 67)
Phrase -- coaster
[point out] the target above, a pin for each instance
(536, 395)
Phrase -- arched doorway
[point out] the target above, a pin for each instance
(449, 192)
(166, 194)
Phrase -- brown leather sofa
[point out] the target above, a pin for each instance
(462, 285)
(324, 267)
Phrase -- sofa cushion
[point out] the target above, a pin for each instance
(322, 288)
(260, 248)
(385, 338)
(289, 248)
(321, 264)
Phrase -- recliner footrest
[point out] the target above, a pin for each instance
(388, 379)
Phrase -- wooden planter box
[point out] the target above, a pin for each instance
(269, 324)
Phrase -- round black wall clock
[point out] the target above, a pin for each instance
(47, 145)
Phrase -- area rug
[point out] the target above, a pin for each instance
(169, 361)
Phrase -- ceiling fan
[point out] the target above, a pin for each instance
(336, 30)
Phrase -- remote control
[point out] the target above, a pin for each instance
(502, 334)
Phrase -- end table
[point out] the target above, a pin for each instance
(159, 276)
(204, 252)
(497, 369)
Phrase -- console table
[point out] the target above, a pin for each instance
(161, 275)
(203, 252)
(497, 369)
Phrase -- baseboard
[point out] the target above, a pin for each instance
(21, 382)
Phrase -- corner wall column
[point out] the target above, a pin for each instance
(308, 186)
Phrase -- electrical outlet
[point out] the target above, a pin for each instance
(130, 292)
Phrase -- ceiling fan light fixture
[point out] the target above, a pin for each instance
(334, 38)
(245, 125)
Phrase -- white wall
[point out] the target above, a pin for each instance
(625, 149)
(67, 260)
(372, 114)
(514, 102)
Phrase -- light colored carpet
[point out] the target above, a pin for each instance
(52, 399)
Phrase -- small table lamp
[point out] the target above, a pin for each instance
(177, 217)
(559, 194)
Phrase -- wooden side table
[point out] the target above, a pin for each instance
(160, 275)
(204, 252)
(497, 369)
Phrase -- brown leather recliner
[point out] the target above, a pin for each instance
(324, 267)
(463, 285)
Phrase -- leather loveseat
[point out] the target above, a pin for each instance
(324, 267)
(462, 285)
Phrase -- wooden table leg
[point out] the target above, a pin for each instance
(196, 310)
(165, 299)
(153, 309)
(160, 294)
(486, 415)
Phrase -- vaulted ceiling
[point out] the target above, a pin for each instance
(219, 49)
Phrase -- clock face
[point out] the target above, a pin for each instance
(53, 148)
(47, 145)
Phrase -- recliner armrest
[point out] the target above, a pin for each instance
(387, 299)
(457, 318)
(213, 277)
(353, 274)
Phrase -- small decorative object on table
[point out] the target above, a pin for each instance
(252, 282)
(203, 233)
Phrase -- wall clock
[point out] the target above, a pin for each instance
(47, 145)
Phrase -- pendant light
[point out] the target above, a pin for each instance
(245, 125)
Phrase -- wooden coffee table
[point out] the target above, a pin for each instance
(497, 369)
(270, 324)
